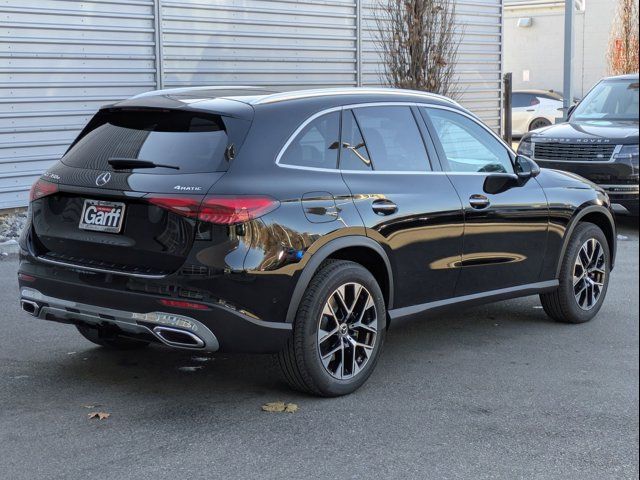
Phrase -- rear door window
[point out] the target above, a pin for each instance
(316, 146)
(191, 141)
(393, 139)
(354, 154)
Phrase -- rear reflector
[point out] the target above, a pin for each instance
(26, 278)
(221, 210)
(182, 304)
(42, 188)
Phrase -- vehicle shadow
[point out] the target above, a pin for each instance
(178, 377)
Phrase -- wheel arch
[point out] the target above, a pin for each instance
(599, 216)
(359, 249)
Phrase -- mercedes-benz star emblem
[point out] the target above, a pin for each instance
(103, 179)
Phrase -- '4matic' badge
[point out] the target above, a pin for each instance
(103, 179)
(182, 188)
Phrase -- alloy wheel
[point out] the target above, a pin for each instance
(347, 331)
(589, 274)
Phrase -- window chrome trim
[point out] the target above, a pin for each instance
(77, 266)
(316, 115)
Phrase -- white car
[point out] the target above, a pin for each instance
(533, 109)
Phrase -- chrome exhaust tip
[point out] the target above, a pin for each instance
(178, 338)
(32, 308)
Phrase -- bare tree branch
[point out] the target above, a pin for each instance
(418, 42)
(623, 40)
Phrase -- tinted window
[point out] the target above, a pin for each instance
(393, 138)
(354, 154)
(194, 142)
(610, 100)
(316, 145)
(519, 100)
(469, 147)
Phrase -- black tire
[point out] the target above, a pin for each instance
(300, 360)
(111, 342)
(539, 123)
(561, 304)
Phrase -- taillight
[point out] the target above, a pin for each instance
(187, 206)
(232, 210)
(42, 188)
(221, 210)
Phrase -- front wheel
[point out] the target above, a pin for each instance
(338, 332)
(584, 277)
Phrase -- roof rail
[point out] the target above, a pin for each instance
(301, 94)
(175, 91)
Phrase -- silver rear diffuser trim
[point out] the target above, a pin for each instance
(177, 331)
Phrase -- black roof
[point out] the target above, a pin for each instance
(213, 98)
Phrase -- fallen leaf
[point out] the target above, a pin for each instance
(274, 407)
(99, 415)
(280, 407)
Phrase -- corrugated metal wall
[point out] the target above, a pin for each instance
(61, 59)
(478, 71)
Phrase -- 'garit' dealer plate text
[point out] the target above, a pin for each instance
(102, 216)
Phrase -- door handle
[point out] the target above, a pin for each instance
(479, 201)
(384, 207)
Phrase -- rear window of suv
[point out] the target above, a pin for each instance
(193, 142)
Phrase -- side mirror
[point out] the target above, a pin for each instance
(500, 182)
(526, 168)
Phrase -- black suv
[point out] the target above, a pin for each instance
(599, 141)
(301, 224)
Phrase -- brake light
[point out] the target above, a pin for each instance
(184, 205)
(182, 304)
(221, 210)
(42, 188)
(233, 210)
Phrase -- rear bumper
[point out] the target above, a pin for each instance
(136, 315)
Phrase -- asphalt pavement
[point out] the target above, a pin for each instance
(498, 391)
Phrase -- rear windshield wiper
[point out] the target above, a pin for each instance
(124, 163)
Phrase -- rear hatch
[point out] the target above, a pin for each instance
(125, 195)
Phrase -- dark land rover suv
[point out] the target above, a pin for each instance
(301, 224)
(598, 142)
